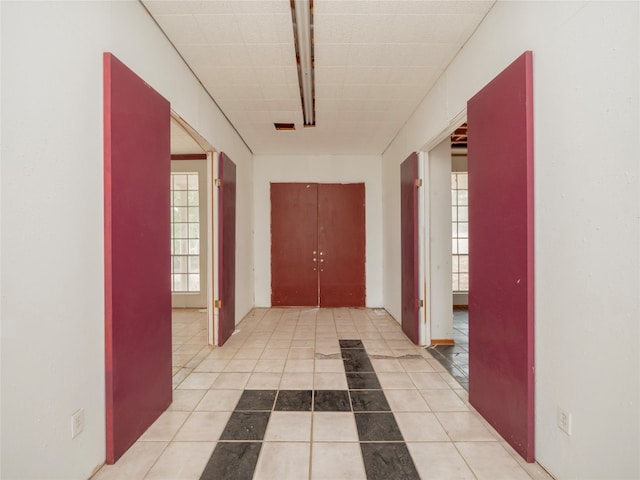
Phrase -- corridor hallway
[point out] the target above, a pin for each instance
(307, 393)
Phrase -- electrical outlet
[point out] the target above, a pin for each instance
(564, 421)
(77, 423)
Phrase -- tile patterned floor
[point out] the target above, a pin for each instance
(315, 394)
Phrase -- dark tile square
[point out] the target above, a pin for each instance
(388, 461)
(331, 401)
(351, 344)
(378, 427)
(356, 361)
(294, 400)
(232, 461)
(256, 400)
(369, 401)
(246, 426)
(363, 381)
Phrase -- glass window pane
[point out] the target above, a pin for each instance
(180, 230)
(463, 214)
(454, 263)
(463, 181)
(193, 181)
(194, 247)
(463, 197)
(453, 181)
(194, 214)
(464, 282)
(454, 214)
(454, 246)
(464, 263)
(193, 199)
(179, 264)
(180, 247)
(454, 282)
(463, 230)
(179, 181)
(194, 264)
(194, 230)
(180, 198)
(179, 214)
(463, 246)
(194, 282)
(454, 229)
(454, 197)
(179, 282)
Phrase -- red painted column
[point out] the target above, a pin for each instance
(501, 264)
(137, 256)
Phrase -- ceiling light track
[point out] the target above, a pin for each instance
(302, 15)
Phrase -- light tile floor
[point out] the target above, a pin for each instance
(297, 349)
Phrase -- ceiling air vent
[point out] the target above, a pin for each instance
(284, 126)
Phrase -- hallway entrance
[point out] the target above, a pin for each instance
(318, 244)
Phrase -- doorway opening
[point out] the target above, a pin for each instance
(190, 234)
(451, 344)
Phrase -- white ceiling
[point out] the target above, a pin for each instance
(374, 62)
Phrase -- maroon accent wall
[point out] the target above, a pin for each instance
(137, 256)
(227, 248)
(409, 247)
(501, 249)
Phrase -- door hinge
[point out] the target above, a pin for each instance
(421, 303)
(217, 182)
(418, 182)
(217, 304)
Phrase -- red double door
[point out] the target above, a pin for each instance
(318, 244)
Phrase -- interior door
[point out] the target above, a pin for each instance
(409, 246)
(137, 256)
(341, 244)
(501, 283)
(318, 244)
(227, 248)
(294, 244)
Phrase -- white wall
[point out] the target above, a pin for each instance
(586, 148)
(439, 185)
(324, 169)
(52, 218)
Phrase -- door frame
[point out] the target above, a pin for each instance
(211, 227)
(459, 119)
